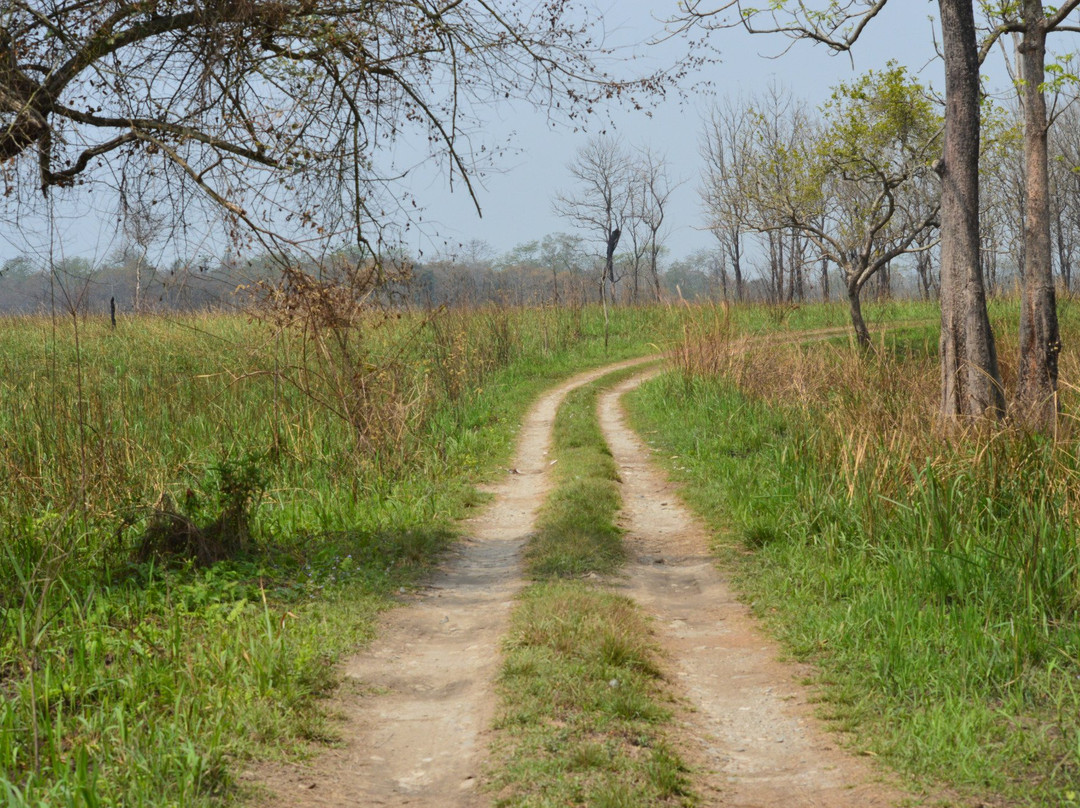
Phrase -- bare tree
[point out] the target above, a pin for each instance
(601, 201)
(655, 188)
(1065, 192)
(275, 112)
(726, 147)
(143, 226)
(1001, 195)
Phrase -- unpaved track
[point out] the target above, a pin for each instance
(749, 730)
(416, 704)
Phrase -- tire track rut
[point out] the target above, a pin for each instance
(749, 728)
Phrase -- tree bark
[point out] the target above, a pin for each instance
(609, 263)
(1036, 395)
(970, 380)
(862, 333)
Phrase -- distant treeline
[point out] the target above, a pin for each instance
(556, 270)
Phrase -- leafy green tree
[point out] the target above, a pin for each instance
(856, 187)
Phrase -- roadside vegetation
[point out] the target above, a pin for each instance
(931, 576)
(193, 526)
(585, 711)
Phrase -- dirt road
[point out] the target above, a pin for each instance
(415, 706)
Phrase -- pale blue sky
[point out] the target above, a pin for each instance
(516, 202)
(516, 198)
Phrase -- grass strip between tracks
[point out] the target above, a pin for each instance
(585, 713)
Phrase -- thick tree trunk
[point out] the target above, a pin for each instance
(970, 380)
(1036, 395)
(862, 333)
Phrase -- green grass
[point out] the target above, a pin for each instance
(933, 583)
(585, 712)
(584, 708)
(748, 319)
(150, 683)
(576, 531)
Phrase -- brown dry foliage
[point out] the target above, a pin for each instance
(877, 413)
(328, 328)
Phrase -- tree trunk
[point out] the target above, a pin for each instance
(797, 288)
(609, 265)
(1036, 395)
(825, 279)
(862, 333)
(970, 380)
(655, 273)
(1064, 251)
(736, 266)
(923, 269)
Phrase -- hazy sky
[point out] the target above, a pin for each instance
(516, 199)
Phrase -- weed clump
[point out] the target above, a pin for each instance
(174, 534)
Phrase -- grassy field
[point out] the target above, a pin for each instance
(198, 516)
(932, 578)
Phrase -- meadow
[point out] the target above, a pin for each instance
(930, 575)
(200, 515)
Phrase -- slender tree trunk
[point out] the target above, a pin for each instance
(862, 333)
(138, 285)
(922, 268)
(609, 265)
(970, 380)
(736, 267)
(781, 270)
(798, 292)
(1040, 343)
(653, 250)
(825, 279)
(1064, 251)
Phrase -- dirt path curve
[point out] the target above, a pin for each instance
(416, 704)
(749, 727)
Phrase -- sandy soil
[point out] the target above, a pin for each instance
(416, 705)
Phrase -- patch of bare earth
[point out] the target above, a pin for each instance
(415, 705)
(749, 729)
